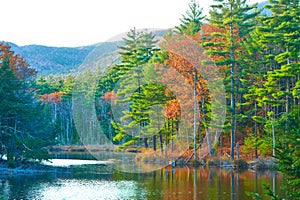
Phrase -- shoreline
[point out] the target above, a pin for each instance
(25, 169)
(261, 164)
(5, 171)
(35, 168)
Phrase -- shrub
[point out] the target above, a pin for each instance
(195, 163)
(240, 164)
(264, 164)
(218, 161)
(250, 144)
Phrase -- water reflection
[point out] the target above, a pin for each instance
(212, 184)
(87, 189)
(92, 182)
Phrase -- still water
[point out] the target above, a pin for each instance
(96, 181)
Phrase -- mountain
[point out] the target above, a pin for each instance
(60, 60)
(64, 60)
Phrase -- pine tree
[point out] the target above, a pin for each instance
(192, 21)
(19, 111)
(276, 66)
(288, 153)
(233, 20)
(281, 38)
(138, 50)
(253, 81)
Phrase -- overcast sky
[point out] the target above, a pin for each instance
(84, 22)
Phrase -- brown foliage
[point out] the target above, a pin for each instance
(54, 97)
(18, 64)
(172, 110)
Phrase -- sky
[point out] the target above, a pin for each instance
(72, 23)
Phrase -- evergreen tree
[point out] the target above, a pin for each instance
(288, 154)
(274, 67)
(234, 21)
(138, 50)
(280, 36)
(253, 81)
(22, 135)
(192, 21)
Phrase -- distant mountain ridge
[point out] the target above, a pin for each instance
(65, 60)
(60, 60)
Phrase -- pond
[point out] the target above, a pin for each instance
(94, 180)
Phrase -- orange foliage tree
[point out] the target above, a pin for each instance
(54, 97)
(18, 64)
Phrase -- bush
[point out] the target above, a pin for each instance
(250, 144)
(264, 164)
(240, 164)
(11, 162)
(195, 163)
(150, 156)
(218, 161)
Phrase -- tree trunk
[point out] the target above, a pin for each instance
(195, 116)
(208, 138)
(154, 142)
(255, 130)
(146, 143)
(161, 142)
(232, 94)
(273, 137)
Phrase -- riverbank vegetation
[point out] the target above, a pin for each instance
(256, 55)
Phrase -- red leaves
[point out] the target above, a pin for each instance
(110, 97)
(18, 64)
(208, 32)
(54, 97)
(179, 76)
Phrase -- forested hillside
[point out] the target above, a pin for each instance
(59, 60)
(48, 60)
